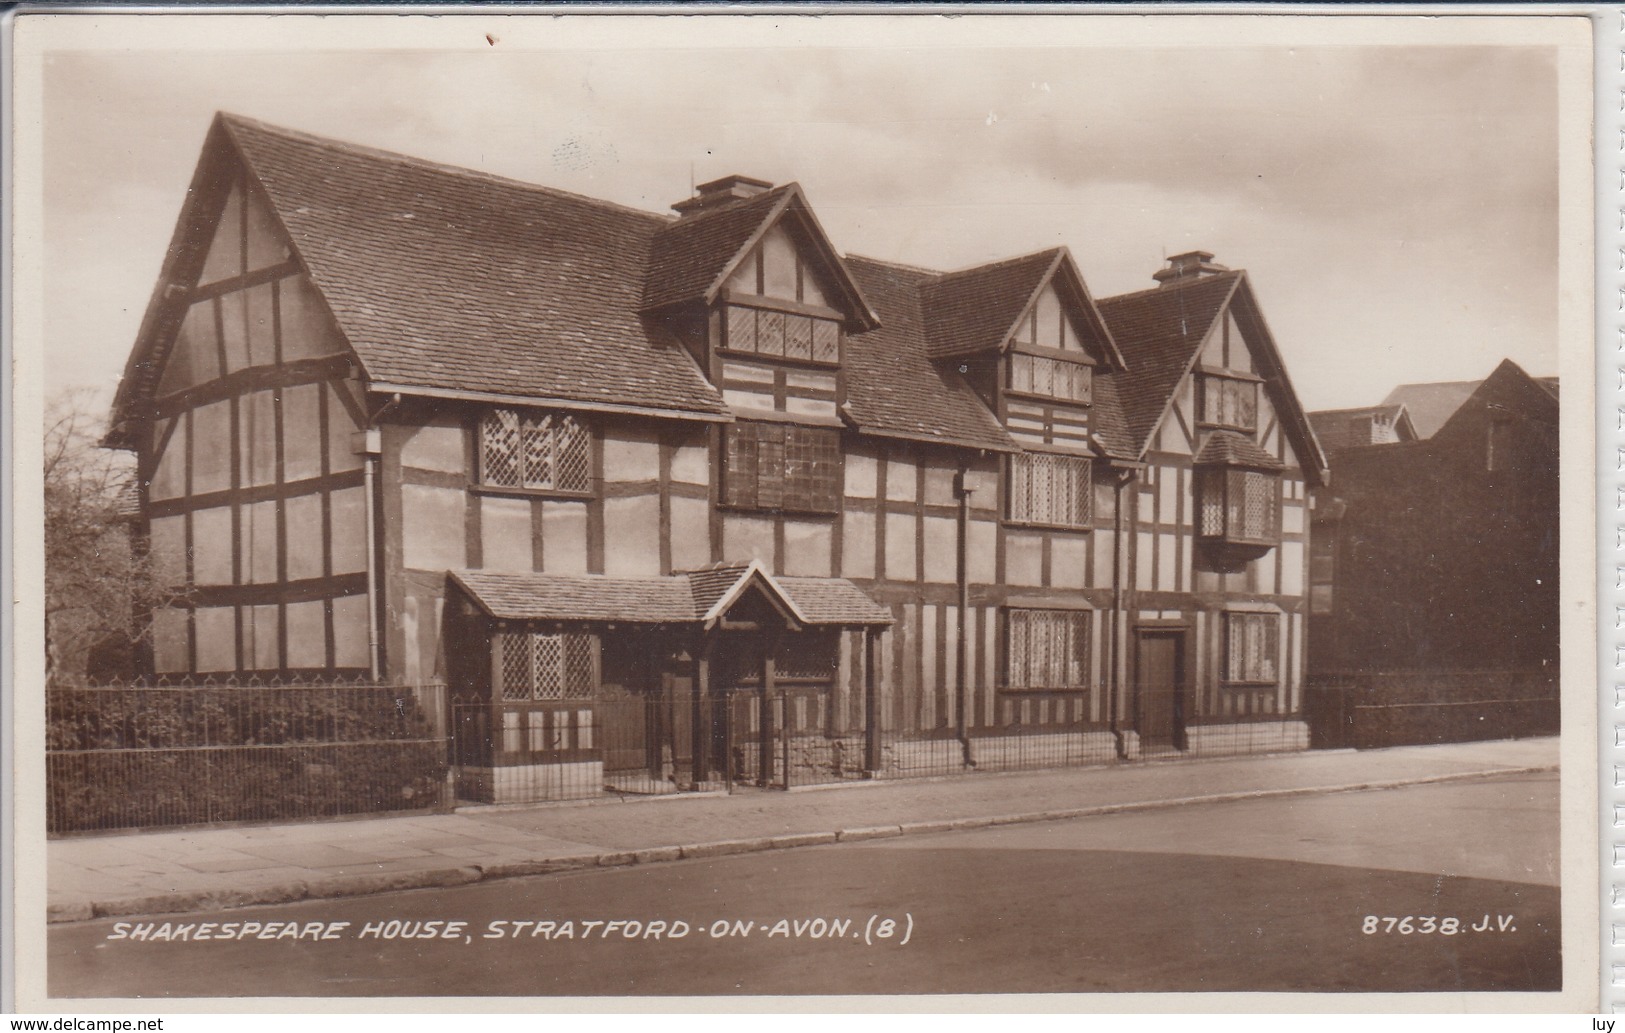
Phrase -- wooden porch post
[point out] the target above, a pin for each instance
(701, 731)
(764, 759)
(871, 701)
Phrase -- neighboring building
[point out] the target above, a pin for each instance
(1337, 429)
(1441, 555)
(1430, 406)
(412, 421)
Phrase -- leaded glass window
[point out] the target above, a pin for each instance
(1048, 489)
(542, 451)
(1252, 648)
(1047, 649)
(546, 667)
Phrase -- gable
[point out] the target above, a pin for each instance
(779, 267)
(1037, 300)
(768, 246)
(1050, 323)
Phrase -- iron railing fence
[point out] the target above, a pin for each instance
(513, 751)
(124, 757)
(1374, 709)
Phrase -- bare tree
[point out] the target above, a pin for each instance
(99, 584)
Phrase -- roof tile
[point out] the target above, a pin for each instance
(448, 278)
(1160, 331)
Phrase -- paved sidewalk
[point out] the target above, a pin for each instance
(152, 873)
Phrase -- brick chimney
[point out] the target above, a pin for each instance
(1188, 266)
(722, 191)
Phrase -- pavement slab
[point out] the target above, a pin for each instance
(165, 870)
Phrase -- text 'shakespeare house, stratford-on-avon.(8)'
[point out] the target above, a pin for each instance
(692, 497)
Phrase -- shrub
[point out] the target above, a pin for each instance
(130, 758)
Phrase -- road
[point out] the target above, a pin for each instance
(1252, 895)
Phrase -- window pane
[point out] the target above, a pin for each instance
(797, 337)
(1021, 372)
(499, 448)
(826, 341)
(770, 333)
(741, 328)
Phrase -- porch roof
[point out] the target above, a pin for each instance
(689, 597)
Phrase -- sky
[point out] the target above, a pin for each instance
(1395, 206)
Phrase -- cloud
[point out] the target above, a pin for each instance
(1393, 204)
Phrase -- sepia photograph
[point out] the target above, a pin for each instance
(609, 507)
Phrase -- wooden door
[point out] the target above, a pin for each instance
(1159, 688)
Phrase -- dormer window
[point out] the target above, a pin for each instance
(1228, 401)
(783, 335)
(1051, 378)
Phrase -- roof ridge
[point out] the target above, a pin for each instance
(1049, 253)
(888, 263)
(1170, 288)
(363, 150)
(723, 209)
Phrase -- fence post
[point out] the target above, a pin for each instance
(784, 736)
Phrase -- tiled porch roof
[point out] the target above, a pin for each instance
(682, 598)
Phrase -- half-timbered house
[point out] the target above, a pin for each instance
(636, 483)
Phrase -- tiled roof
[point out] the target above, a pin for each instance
(1431, 405)
(1227, 448)
(1344, 428)
(973, 310)
(1160, 332)
(446, 278)
(676, 599)
(832, 600)
(587, 597)
(893, 387)
(712, 583)
(690, 254)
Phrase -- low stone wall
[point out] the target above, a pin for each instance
(531, 783)
(1246, 737)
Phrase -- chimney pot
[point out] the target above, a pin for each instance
(1188, 265)
(722, 191)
